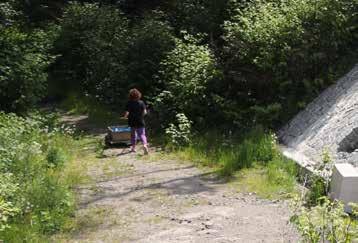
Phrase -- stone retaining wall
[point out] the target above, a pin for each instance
(329, 123)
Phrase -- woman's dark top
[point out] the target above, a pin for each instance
(136, 113)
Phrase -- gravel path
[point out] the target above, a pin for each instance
(168, 201)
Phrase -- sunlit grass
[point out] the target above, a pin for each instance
(276, 180)
(252, 163)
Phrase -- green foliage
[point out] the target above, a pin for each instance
(251, 62)
(184, 75)
(150, 40)
(282, 53)
(230, 153)
(197, 16)
(56, 157)
(8, 189)
(180, 133)
(23, 63)
(7, 13)
(279, 31)
(256, 147)
(320, 219)
(327, 222)
(32, 191)
(252, 161)
(275, 180)
(319, 183)
(103, 54)
(93, 45)
(37, 12)
(317, 191)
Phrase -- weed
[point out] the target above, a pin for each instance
(277, 180)
(252, 160)
(231, 154)
(326, 222)
(32, 157)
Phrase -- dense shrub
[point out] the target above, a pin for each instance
(34, 200)
(103, 54)
(184, 75)
(326, 222)
(195, 16)
(23, 63)
(93, 44)
(8, 13)
(281, 53)
(150, 40)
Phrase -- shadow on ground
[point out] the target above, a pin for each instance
(185, 185)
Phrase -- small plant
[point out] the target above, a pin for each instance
(179, 133)
(56, 157)
(252, 158)
(317, 191)
(256, 147)
(319, 184)
(35, 196)
(275, 180)
(326, 222)
(320, 219)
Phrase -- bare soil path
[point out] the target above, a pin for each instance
(162, 200)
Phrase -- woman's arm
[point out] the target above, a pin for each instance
(126, 114)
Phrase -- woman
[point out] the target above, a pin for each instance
(135, 112)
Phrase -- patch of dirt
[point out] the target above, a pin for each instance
(172, 201)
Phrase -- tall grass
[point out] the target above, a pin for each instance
(36, 198)
(231, 154)
(253, 159)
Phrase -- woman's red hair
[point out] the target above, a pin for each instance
(134, 94)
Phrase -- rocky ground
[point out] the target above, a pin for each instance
(156, 199)
(171, 201)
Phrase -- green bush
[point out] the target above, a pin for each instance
(255, 147)
(32, 191)
(280, 54)
(7, 13)
(93, 44)
(179, 134)
(230, 153)
(316, 191)
(56, 157)
(103, 53)
(151, 39)
(24, 60)
(184, 74)
(326, 222)
(197, 16)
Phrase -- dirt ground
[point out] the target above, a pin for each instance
(160, 200)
